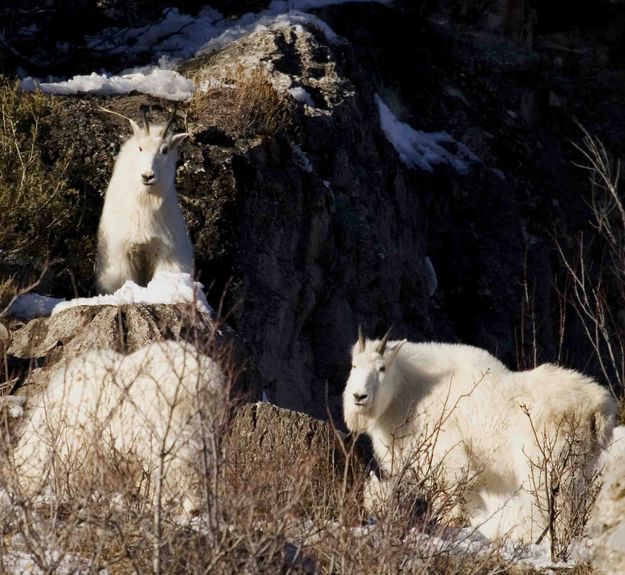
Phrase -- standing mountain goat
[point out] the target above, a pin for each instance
(481, 421)
(142, 229)
(149, 414)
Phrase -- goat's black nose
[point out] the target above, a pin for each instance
(148, 178)
(360, 396)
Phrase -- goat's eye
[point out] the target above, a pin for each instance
(164, 150)
(382, 368)
(140, 149)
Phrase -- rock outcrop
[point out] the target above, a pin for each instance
(126, 329)
(306, 221)
(307, 462)
(607, 521)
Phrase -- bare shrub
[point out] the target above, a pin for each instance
(564, 482)
(244, 103)
(291, 512)
(596, 283)
(36, 203)
(420, 487)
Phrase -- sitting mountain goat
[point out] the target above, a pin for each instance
(141, 421)
(142, 229)
(485, 425)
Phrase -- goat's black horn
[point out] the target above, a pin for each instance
(169, 122)
(382, 345)
(361, 339)
(146, 122)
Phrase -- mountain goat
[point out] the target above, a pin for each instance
(481, 419)
(142, 229)
(150, 410)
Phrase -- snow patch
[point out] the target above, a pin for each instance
(164, 288)
(175, 34)
(31, 305)
(301, 95)
(178, 37)
(14, 405)
(468, 541)
(418, 149)
(615, 450)
(154, 81)
(270, 19)
(21, 562)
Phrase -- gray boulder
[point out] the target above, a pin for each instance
(301, 460)
(607, 523)
(127, 328)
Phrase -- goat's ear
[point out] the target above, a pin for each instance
(178, 139)
(394, 351)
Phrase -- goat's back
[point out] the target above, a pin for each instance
(140, 405)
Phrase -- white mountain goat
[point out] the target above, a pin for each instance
(151, 411)
(142, 229)
(481, 419)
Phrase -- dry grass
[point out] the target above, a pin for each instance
(8, 291)
(285, 512)
(35, 202)
(243, 103)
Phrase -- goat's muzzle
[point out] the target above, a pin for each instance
(148, 179)
(360, 399)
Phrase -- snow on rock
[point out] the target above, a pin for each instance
(18, 562)
(615, 450)
(418, 149)
(179, 37)
(270, 19)
(183, 36)
(301, 95)
(154, 81)
(164, 288)
(607, 522)
(13, 405)
(469, 542)
(31, 305)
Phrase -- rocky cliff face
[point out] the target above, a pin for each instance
(325, 231)
(329, 229)
(307, 222)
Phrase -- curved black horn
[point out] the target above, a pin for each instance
(169, 123)
(146, 122)
(382, 345)
(361, 339)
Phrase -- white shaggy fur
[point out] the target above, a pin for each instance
(103, 406)
(409, 389)
(142, 229)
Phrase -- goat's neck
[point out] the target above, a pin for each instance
(150, 199)
(397, 424)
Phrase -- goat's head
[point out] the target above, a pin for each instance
(370, 388)
(156, 151)
(152, 151)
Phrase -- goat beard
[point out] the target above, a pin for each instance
(356, 419)
(151, 196)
